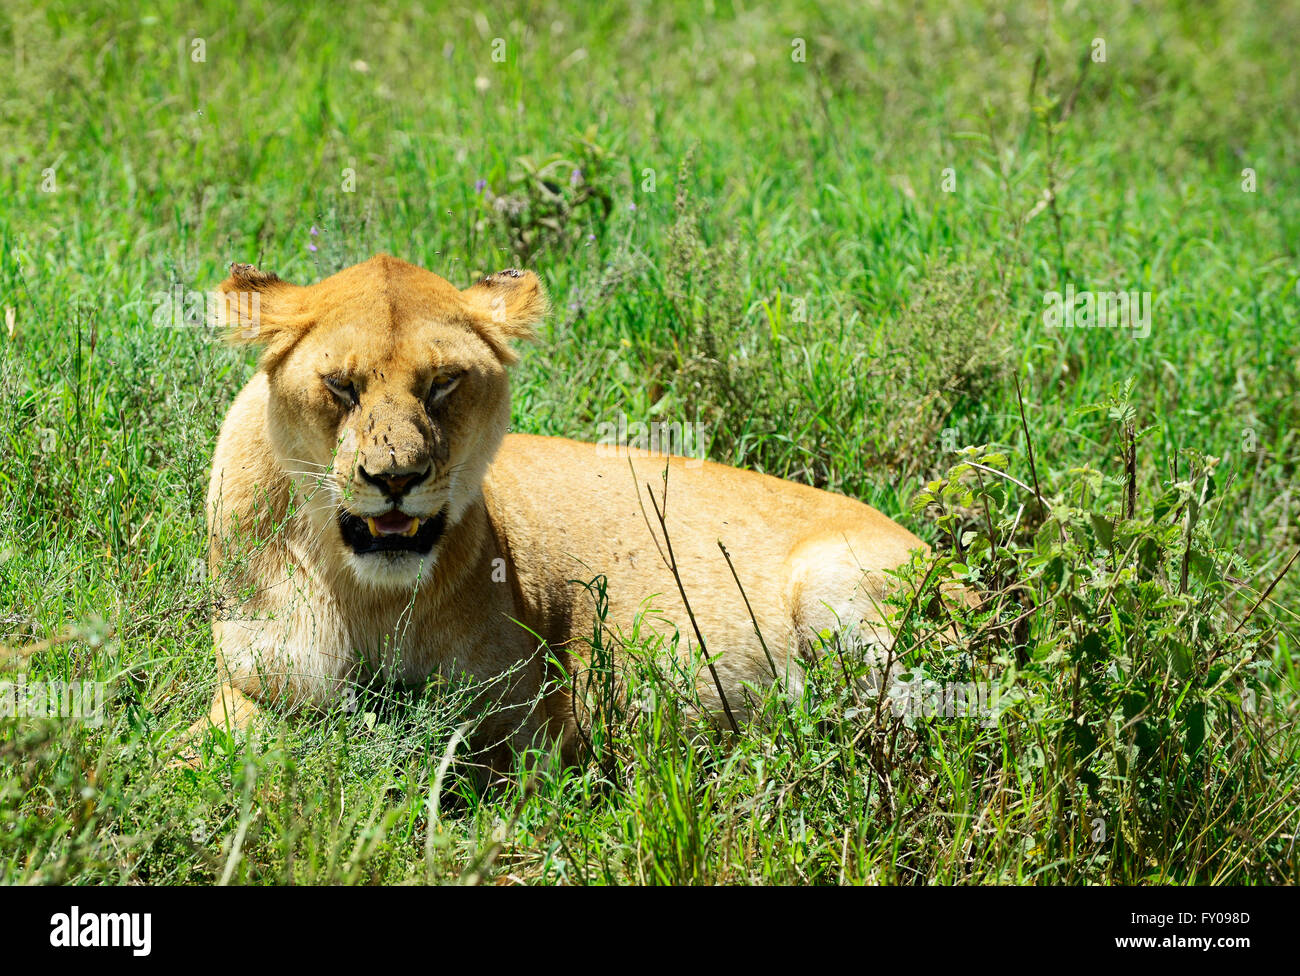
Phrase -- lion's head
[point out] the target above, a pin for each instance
(388, 398)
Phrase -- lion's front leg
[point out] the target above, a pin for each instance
(264, 663)
(231, 710)
(297, 658)
(511, 713)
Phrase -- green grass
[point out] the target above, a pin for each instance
(760, 243)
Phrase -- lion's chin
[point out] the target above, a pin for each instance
(390, 570)
(386, 555)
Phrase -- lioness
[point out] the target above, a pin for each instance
(369, 517)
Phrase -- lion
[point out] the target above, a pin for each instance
(370, 518)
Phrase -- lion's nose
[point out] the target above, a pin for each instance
(395, 484)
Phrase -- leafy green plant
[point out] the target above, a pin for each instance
(553, 202)
(1142, 678)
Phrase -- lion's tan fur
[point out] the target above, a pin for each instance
(527, 516)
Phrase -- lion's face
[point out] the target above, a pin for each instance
(397, 430)
(388, 399)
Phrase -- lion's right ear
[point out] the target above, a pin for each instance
(507, 306)
(256, 308)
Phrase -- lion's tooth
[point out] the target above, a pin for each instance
(374, 529)
(415, 527)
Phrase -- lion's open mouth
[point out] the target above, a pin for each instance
(392, 532)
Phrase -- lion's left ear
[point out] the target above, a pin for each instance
(253, 307)
(507, 306)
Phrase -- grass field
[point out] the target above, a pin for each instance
(824, 230)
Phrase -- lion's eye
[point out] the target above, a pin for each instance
(342, 389)
(442, 386)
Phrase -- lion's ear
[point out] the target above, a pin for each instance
(507, 306)
(256, 308)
